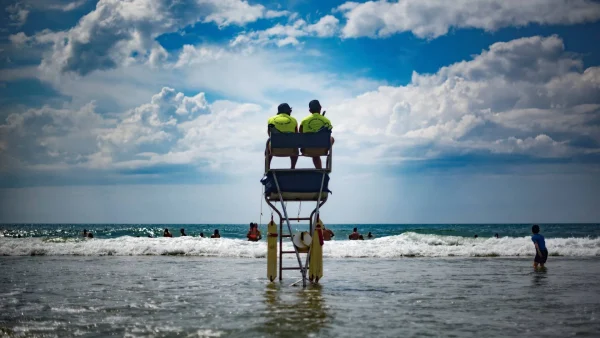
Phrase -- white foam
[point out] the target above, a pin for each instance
(406, 244)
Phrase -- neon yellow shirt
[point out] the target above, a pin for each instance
(314, 122)
(284, 123)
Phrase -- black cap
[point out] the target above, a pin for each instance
(314, 106)
(284, 108)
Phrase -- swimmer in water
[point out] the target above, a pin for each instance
(182, 232)
(216, 234)
(167, 233)
(253, 234)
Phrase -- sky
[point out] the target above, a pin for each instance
(154, 111)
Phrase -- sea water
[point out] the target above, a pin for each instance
(409, 281)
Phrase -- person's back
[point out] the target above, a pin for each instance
(541, 252)
(253, 234)
(314, 123)
(216, 234)
(354, 235)
(283, 122)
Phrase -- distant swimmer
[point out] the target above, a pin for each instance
(497, 236)
(541, 253)
(202, 234)
(475, 236)
(360, 237)
(167, 233)
(85, 232)
(216, 234)
(354, 235)
(253, 234)
(327, 234)
(182, 232)
(90, 235)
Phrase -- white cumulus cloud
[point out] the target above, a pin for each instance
(527, 96)
(433, 18)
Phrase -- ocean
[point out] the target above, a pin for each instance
(434, 280)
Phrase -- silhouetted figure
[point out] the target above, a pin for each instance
(182, 232)
(475, 236)
(90, 235)
(369, 235)
(167, 233)
(202, 234)
(497, 236)
(216, 234)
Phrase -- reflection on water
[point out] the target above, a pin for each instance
(294, 312)
(539, 277)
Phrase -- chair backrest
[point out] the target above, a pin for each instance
(321, 139)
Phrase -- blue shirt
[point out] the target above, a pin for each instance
(539, 239)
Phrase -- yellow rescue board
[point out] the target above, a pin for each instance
(315, 267)
(272, 251)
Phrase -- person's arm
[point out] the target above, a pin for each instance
(537, 249)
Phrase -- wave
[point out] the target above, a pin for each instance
(408, 244)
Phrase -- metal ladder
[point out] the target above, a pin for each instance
(315, 213)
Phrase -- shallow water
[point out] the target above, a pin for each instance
(167, 296)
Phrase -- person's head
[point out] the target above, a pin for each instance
(182, 230)
(166, 230)
(535, 229)
(284, 108)
(216, 231)
(201, 234)
(314, 106)
(355, 229)
(85, 231)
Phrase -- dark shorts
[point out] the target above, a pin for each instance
(543, 258)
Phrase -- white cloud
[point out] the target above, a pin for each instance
(17, 13)
(59, 5)
(282, 35)
(123, 32)
(48, 135)
(171, 129)
(526, 96)
(433, 18)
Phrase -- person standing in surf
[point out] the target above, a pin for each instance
(541, 253)
(253, 234)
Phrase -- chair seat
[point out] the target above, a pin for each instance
(312, 152)
(284, 152)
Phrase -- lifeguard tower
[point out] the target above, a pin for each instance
(297, 185)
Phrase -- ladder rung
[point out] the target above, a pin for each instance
(285, 236)
(290, 268)
(299, 219)
(288, 252)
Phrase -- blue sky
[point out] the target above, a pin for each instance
(444, 112)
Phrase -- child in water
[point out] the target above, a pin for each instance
(541, 253)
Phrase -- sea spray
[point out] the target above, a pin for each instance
(408, 244)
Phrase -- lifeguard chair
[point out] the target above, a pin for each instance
(297, 185)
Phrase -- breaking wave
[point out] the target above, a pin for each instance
(408, 244)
